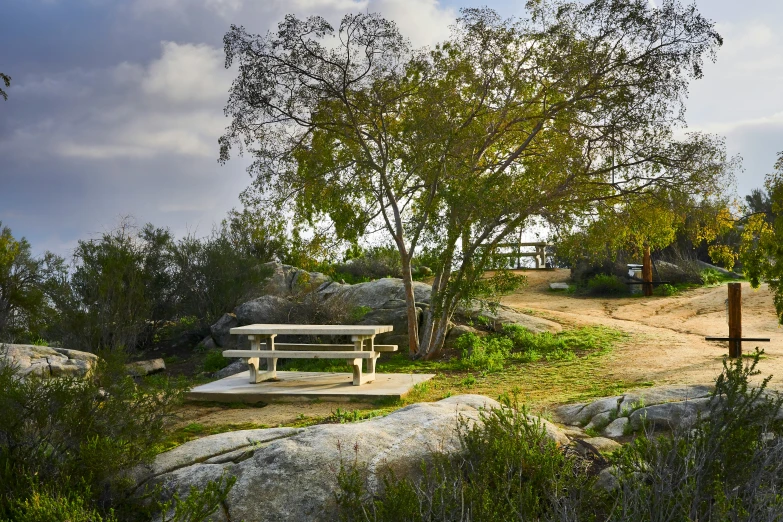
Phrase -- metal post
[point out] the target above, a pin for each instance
(735, 319)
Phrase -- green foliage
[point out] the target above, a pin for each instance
(711, 277)
(42, 506)
(120, 289)
(133, 288)
(486, 354)
(761, 251)
(727, 468)
(665, 290)
(199, 504)
(215, 361)
(358, 313)
(27, 288)
(508, 470)
(605, 285)
(79, 435)
(213, 274)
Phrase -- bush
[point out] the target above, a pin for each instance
(608, 285)
(66, 444)
(486, 354)
(711, 277)
(214, 361)
(665, 290)
(507, 470)
(728, 467)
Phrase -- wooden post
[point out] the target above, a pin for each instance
(647, 274)
(735, 319)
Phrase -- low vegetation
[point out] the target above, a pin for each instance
(729, 467)
(66, 446)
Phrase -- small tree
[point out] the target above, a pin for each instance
(458, 147)
(27, 285)
(761, 248)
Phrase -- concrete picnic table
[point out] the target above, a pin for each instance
(363, 347)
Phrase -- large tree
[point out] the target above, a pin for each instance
(554, 115)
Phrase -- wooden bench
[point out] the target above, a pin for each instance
(363, 347)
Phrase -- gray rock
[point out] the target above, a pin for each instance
(723, 271)
(382, 293)
(569, 413)
(398, 318)
(616, 428)
(238, 366)
(507, 315)
(607, 479)
(603, 444)
(666, 393)
(586, 413)
(141, 368)
(221, 331)
(558, 286)
(263, 310)
(208, 343)
(46, 361)
(601, 420)
(287, 280)
(670, 415)
(293, 474)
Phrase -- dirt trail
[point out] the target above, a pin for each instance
(667, 343)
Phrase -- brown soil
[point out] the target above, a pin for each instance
(667, 333)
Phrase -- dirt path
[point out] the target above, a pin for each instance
(667, 344)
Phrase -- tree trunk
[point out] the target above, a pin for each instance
(410, 301)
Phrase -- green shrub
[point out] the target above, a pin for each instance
(711, 277)
(214, 361)
(487, 354)
(65, 442)
(666, 290)
(508, 470)
(603, 284)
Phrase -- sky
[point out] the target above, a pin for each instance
(115, 106)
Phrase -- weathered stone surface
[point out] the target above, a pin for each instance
(208, 343)
(141, 368)
(599, 421)
(221, 330)
(382, 293)
(603, 444)
(263, 310)
(293, 475)
(288, 280)
(607, 479)
(46, 361)
(666, 393)
(670, 415)
(558, 286)
(616, 428)
(238, 366)
(507, 315)
(624, 405)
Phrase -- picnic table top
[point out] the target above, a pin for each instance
(311, 329)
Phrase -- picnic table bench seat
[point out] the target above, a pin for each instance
(363, 348)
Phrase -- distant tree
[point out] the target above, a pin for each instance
(761, 250)
(759, 202)
(454, 149)
(27, 284)
(7, 81)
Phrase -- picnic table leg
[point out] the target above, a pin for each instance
(271, 364)
(371, 361)
(256, 375)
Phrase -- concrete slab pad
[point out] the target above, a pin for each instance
(298, 386)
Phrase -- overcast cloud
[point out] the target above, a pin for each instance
(115, 107)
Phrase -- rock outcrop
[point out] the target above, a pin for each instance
(148, 367)
(291, 474)
(46, 361)
(661, 408)
(372, 303)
